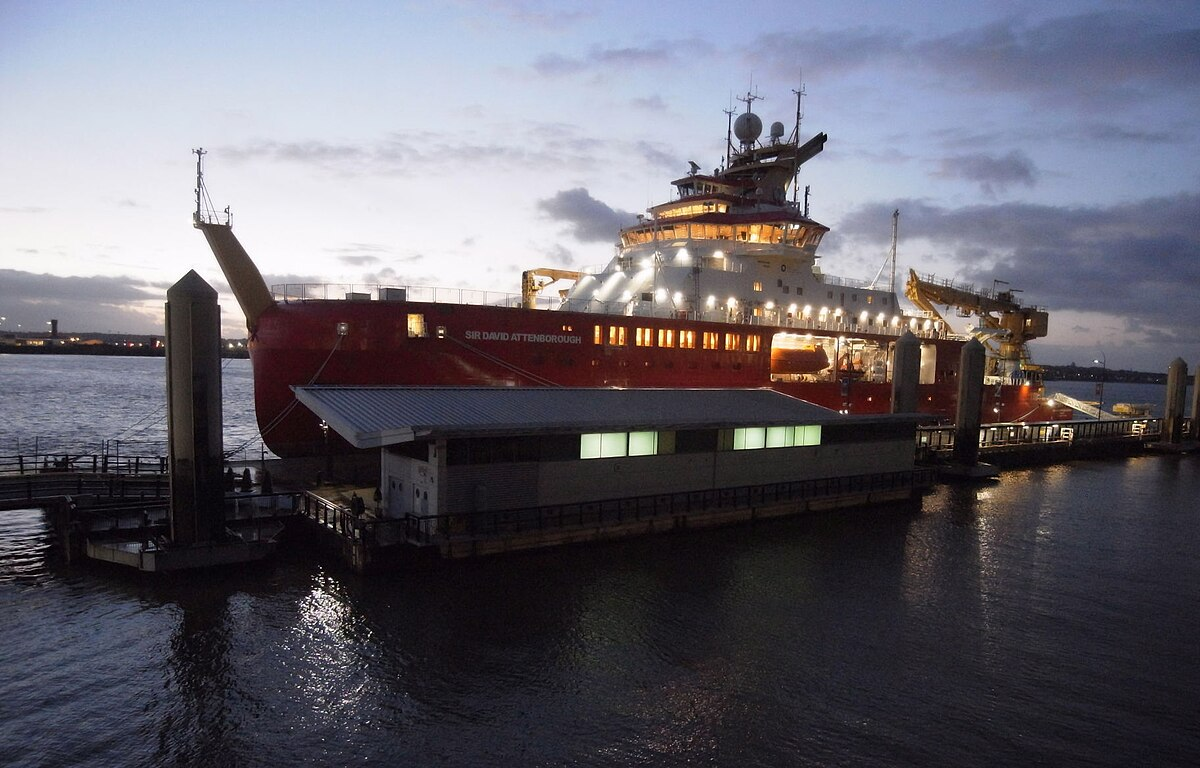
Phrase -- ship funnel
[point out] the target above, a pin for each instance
(249, 288)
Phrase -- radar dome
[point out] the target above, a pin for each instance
(747, 128)
(776, 130)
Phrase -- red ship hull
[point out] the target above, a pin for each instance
(426, 344)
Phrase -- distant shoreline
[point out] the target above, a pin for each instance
(106, 350)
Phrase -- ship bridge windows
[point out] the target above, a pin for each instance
(644, 337)
(416, 327)
(666, 337)
(617, 335)
(687, 339)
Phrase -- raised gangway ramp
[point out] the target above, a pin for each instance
(1087, 409)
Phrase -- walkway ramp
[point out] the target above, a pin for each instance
(1086, 408)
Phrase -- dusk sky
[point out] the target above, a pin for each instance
(1051, 145)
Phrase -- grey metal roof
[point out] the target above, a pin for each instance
(375, 416)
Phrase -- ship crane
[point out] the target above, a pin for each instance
(1005, 325)
(534, 280)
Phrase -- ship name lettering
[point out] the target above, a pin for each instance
(534, 338)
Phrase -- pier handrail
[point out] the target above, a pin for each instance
(941, 438)
(429, 529)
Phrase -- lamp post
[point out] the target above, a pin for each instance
(1103, 362)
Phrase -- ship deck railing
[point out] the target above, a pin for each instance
(776, 318)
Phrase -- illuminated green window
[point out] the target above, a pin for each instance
(603, 445)
(807, 435)
(751, 438)
(643, 443)
(608, 445)
(779, 437)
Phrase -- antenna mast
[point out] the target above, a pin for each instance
(895, 237)
(728, 134)
(796, 142)
(199, 153)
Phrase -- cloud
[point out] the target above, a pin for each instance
(530, 14)
(606, 60)
(991, 173)
(1094, 60)
(81, 304)
(359, 254)
(1134, 261)
(653, 103)
(587, 219)
(527, 145)
(23, 209)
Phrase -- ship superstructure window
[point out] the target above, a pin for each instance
(758, 285)
(687, 339)
(416, 327)
(644, 337)
(609, 445)
(753, 438)
(753, 343)
(666, 337)
(616, 335)
(598, 334)
(732, 341)
(711, 340)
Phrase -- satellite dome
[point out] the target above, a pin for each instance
(747, 128)
(776, 130)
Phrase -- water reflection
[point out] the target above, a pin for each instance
(197, 721)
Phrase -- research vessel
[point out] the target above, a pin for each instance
(719, 287)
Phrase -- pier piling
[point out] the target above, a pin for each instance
(970, 403)
(1194, 432)
(906, 373)
(1176, 390)
(193, 333)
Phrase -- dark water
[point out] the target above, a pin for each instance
(73, 403)
(1048, 619)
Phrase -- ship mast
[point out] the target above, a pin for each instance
(796, 141)
(199, 153)
(895, 236)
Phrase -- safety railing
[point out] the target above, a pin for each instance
(429, 529)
